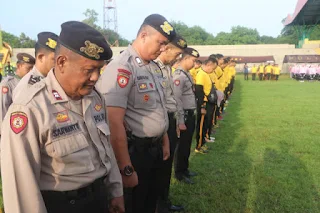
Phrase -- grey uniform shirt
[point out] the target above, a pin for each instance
(130, 84)
(52, 143)
(167, 84)
(28, 80)
(184, 93)
(8, 84)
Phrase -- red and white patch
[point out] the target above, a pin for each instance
(98, 107)
(177, 82)
(123, 81)
(146, 98)
(5, 90)
(18, 121)
(151, 85)
(56, 95)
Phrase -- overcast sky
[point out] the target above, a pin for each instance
(34, 16)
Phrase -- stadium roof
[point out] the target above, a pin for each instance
(307, 12)
(248, 59)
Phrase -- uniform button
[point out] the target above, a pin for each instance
(72, 202)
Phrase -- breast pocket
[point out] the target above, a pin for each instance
(104, 133)
(145, 95)
(70, 155)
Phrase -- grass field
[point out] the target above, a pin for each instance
(266, 157)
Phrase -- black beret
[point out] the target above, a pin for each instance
(84, 40)
(160, 23)
(178, 41)
(192, 52)
(26, 58)
(47, 40)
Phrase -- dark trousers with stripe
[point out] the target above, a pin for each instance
(184, 145)
(201, 128)
(211, 108)
(164, 173)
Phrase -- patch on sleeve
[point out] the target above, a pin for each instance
(5, 90)
(123, 77)
(18, 121)
(177, 82)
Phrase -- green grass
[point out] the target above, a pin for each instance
(266, 157)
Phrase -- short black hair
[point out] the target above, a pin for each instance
(198, 61)
(218, 56)
(213, 60)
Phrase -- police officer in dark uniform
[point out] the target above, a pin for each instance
(137, 113)
(172, 51)
(185, 96)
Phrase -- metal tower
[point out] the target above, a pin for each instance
(110, 20)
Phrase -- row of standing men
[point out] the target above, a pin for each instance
(75, 141)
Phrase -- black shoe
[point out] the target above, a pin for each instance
(185, 179)
(176, 208)
(191, 174)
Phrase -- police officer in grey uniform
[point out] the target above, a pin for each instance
(24, 65)
(56, 153)
(172, 51)
(44, 51)
(137, 114)
(185, 96)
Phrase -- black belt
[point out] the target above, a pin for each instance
(85, 191)
(189, 112)
(146, 140)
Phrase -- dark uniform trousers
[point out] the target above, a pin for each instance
(164, 172)
(184, 145)
(92, 198)
(260, 76)
(268, 76)
(253, 76)
(146, 157)
(277, 77)
(211, 108)
(202, 126)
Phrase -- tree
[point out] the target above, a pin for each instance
(110, 35)
(22, 41)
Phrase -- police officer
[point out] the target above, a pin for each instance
(185, 96)
(137, 113)
(56, 155)
(172, 51)
(203, 92)
(44, 51)
(8, 70)
(24, 65)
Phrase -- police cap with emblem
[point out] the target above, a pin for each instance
(179, 42)
(160, 23)
(47, 40)
(192, 52)
(25, 58)
(84, 40)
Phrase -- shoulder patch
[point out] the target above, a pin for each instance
(5, 90)
(177, 82)
(18, 121)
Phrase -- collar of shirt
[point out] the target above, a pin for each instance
(36, 71)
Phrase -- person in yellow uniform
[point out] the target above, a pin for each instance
(276, 71)
(268, 70)
(261, 71)
(194, 71)
(204, 94)
(254, 71)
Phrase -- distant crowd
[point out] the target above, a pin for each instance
(305, 71)
(263, 72)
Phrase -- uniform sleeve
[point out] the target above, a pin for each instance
(178, 84)
(115, 84)
(20, 161)
(5, 99)
(113, 180)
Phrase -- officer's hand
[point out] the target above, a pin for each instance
(166, 148)
(117, 205)
(203, 111)
(130, 181)
(182, 127)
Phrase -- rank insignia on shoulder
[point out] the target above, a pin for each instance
(34, 79)
(18, 121)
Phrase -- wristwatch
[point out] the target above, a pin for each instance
(127, 171)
